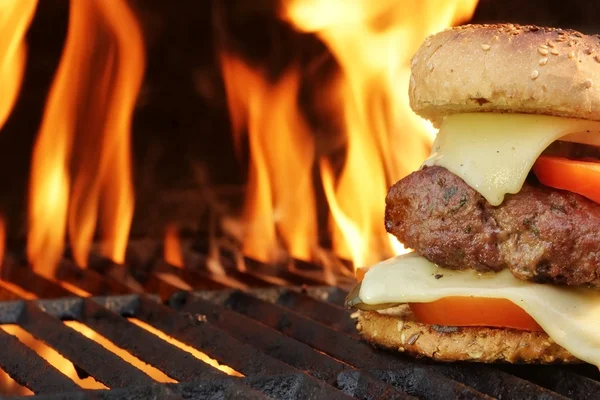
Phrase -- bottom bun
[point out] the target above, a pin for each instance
(396, 329)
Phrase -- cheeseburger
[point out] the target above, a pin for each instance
(504, 216)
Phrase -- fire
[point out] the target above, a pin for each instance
(15, 17)
(280, 201)
(81, 172)
(372, 42)
(172, 247)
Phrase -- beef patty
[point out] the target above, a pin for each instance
(540, 234)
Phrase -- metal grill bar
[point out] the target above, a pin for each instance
(289, 343)
(346, 348)
(89, 280)
(281, 347)
(336, 296)
(220, 389)
(229, 264)
(496, 383)
(24, 277)
(485, 379)
(195, 280)
(8, 295)
(171, 360)
(160, 287)
(326, 313)
(282, 272)
(560, 380)
(216, 343)
(31, 370)
(88, 355)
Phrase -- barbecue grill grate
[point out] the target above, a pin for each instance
(293, 342)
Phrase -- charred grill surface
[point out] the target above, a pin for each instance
(281, 348)
(540, 234)
(288, 343)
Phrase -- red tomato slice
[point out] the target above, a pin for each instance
(581, 177)
(474, 311)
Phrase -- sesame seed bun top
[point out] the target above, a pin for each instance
(507, 68)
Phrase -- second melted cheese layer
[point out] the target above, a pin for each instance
(493, 153)
(571, 317)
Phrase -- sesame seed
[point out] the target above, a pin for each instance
(589, 51)
(543, 51)
(588, 83)
(554, 52)
(550, 44)
(543, 60)
(413, 338)
(430, 67)
(534, 74)
(571, 54)
(485, 47)
(428, 43)
(543, 46)
(597, 58)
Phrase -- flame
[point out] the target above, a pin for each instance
(280, 200)
(81, 169)
(373, 42)
(348, 228)
(15, 17)
(172, 247)
(196, 353)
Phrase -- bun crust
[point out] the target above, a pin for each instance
(507, 68)
(399, 332)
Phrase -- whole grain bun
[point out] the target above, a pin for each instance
(507, 68)
(398, 331)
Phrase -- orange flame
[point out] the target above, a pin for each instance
(15, 17)
(373, 42)
(172, 247)
(81, 161)
(280, 200)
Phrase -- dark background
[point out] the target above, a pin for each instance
(181, 136)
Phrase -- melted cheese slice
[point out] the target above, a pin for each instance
(493, 153)
(571, 317)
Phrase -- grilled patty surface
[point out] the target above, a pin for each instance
(541, 234)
